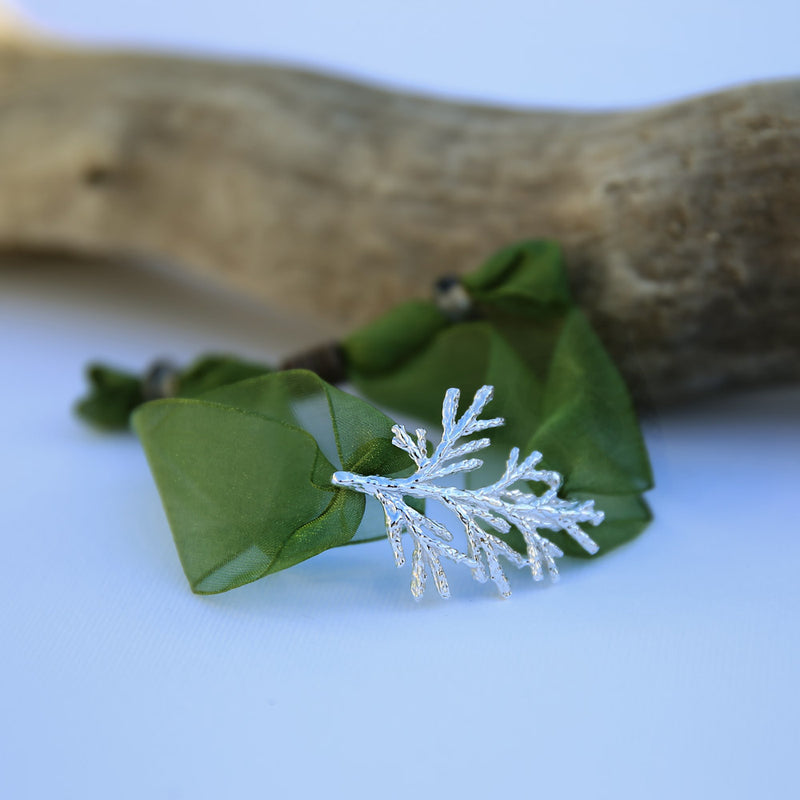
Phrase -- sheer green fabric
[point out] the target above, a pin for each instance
(243, 463)
(379, 346)
(526, 278)
(555, 385)
(114, 394)
(246, 487)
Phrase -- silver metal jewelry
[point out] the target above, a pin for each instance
(498, 506)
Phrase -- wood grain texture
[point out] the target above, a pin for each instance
(681, 224)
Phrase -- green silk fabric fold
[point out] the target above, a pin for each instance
(115, 394)
(245, 473)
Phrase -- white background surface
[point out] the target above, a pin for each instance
(666, 669)
(556, 52)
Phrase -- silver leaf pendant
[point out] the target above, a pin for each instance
(482, 513)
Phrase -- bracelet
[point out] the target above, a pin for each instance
(259, 470)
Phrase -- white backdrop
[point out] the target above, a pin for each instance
(666, 669)
(555, 52)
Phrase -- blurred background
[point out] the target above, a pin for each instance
(561, 53)
(668, 670)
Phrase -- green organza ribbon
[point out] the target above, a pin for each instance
(245, 472)
(244, 466)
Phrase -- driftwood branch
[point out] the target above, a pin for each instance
(681, 224)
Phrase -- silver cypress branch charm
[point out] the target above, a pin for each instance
(496, 507)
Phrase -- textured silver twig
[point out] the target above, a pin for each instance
(499, 506)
